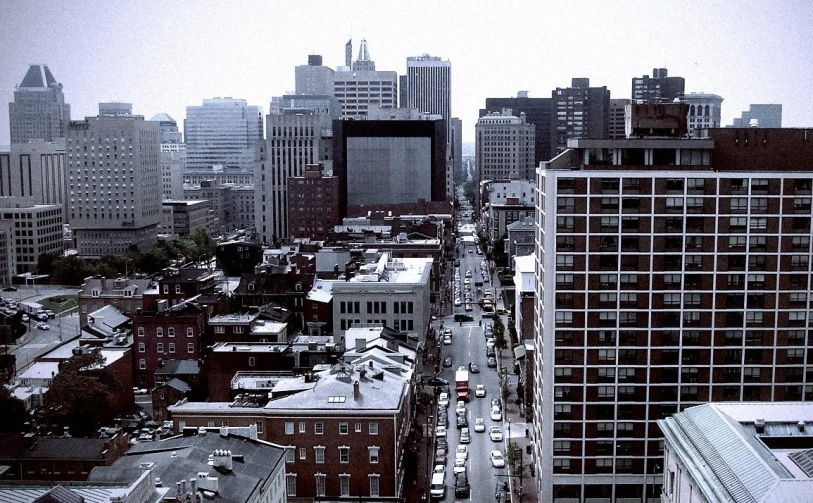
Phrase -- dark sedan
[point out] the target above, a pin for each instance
(492, 362)
(447, 362)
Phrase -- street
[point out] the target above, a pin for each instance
(469, 345)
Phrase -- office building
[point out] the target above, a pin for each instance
(538, 111)
(617, 125)
(704, 112)
(508, 201)
(297, 137)
(182, 217)
(31, 230)
(660, 88)
(764, 116)
(114, 184)
(313, 78)
(115, 109)
(671, 272)
(456, 148)
(364, 87)
(223, 131)
(581, 112)
(173, 157)
(389, 161)
(505, 147)
(39, 110)
(363, 63)
(34, 170)
(313, 204)
(427, 86)
(738, 452)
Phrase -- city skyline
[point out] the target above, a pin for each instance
(165, 58)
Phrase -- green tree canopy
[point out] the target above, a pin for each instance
(14, 415)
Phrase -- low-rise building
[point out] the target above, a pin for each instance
(127, 295)
(743, 451)
(345, 429)
(524, 288)
(66, 459)
(506, 202)
(225, 464)
(238, 257)
(520, 240)
(182, 217)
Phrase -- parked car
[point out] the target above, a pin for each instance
(25, 318)
(459, 465)
(447, 362)
(465, 436)
(447, 340)
(43, 326)
(443, 400)
(497, 459)
(492, 362)
(495, 433)
(462, 421)
(460, 407)
(442, 443)
(496, 414)
(440, 432)
(437, 381)
(440, 469)
(10, 289)
(462, 451)
(461, 484)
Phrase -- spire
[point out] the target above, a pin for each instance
(363, 62)
(363, 54)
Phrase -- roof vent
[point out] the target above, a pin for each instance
(759, 424)
(801, 425)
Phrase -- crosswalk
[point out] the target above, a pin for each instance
(39, 345)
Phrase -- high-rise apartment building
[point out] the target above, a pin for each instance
(114, 183)
(704, 111)
(617, 125)
(538, 111)
(223, 131)
(581, 112)
(173, 158)
(34, 170)
(39, 110)
(660, 88)
(296, 138)
(505, 147)
(31, 230)
(313, 203)
(764, 116)
(670, 272)
(427, 86)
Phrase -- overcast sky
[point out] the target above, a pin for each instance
(165, 55)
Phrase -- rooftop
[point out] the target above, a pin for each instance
(746, 452)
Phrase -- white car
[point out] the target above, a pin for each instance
(443, 400)
(457, 301)
(43, 326)
(497, 459)
(447, 340)
(459, 465)
(480, 390)
(25, 318)
(462, 451)
(440, 469)
(496, 414)
(495, 433)
(460, 408)
(440, 432)
(489, 343)
(479, 425)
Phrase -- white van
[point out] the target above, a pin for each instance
(437, 489)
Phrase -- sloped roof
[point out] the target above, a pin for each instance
(38, 76)
(67, 448)
(60, 494)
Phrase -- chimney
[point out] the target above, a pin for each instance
(801, 425)
(362, 373)
(370, 363)
(222, 460)
(336, 269)
(356, 392)
(759, 425)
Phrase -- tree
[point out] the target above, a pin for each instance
(513, 455)
(14, 416)
(70, 271)
(81, 396)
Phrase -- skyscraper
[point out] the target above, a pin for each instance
(223, 131)
(39, 109)
(764, 116)
(617, 124)
(660, 88)
(581, 112)
(313, 78)
(670, 272)
(114, 184)
(364, 62)
(505, 147)
(173, 157)
(538, 111)
(297, 137)
(428, 86)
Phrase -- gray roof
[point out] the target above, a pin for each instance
(179, 384)
(91, 493)
(67, 448)
(60, 494)
(110, 317)
(38, 76)
(727, 458)
(179, 367)
(182, 458)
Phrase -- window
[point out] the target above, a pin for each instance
(190, 332)
(252, 361)
(171, 347)
(318, 428)
(373, 429)
(259, 427)
(142, 348)
(159, 348)
(290, 484)
(605, 393)
(220, 329)
(171, 332)
(343, 429)
(759, 223)
(159, 332)
(737, 223)
(344, 484)
(142, 364)
(177, 288)
(289, 454)
(319, 454)
(373, 454)
(320, 484)
(606, 355)
(302, 427)
(190, 348)
(565, 224)
(564, 261)
(358, 428)
(374, 490)
(289, 428)
(141, 331)
(344, 454)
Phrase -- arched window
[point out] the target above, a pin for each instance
(707, 111)
(691, 110)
